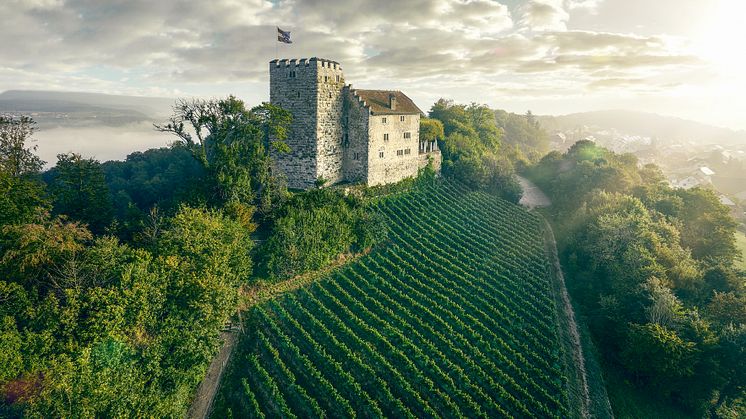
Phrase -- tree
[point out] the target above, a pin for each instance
(22, 195)
(80, 191)
(16, 159)
(431, 130)
(233, 144)
(657, 353)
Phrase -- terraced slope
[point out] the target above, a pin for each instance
(453, 317)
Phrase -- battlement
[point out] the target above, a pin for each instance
(305, 62)
(357, 97)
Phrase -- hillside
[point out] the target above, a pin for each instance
(454, 316)
(644, 124)
(74, 109)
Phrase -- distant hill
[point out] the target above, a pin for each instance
(76, 109)
(664, 128)
(106, 127)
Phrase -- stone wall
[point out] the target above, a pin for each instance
(355, 125)
(435, 156)
(293, 86)
(333, 134)
(329, 104)
(393, 166)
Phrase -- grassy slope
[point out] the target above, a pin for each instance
(453, 315)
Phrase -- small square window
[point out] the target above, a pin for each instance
(407, 151)
(383, 120)
(385, 137)
(399, 153)
(407, 135)
(401, 118)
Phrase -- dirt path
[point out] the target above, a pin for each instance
(532, 197)
(568, 321)
(202, 402)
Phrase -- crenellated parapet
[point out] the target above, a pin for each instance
(306, 62)
(357, 97)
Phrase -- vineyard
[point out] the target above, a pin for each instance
(453, 316)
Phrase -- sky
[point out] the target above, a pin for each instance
(682, 58)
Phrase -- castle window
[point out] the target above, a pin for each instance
(380, 153)
(298, 95)
(407, 135)
(356, 155)
(399, 153)
(326, 79)
(291, 74)
(401, 118)
(385, 137)
(383, 120)
(407, 151)
(337, 78)
(330, 95)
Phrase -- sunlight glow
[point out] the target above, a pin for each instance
(722, 41)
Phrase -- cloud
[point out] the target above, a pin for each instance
(169, 47)
(542, 15)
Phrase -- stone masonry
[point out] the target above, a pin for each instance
(343, 134)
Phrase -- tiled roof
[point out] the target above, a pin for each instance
(378, 102)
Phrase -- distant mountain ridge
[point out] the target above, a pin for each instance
(665, 128)
(74, 109)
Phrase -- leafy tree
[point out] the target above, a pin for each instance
(471, 148)
(79, 190)
(233, 144)
(431, 130)
(657, 353)
(22, 195)
(16, 159)
(316, 227)
(162, 177)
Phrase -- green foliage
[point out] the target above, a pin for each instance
(21, 199)
(471, 147)
(16, 158)
(233, 145)
(80, 192)
(162, 177)
(431, 130)
(644, 261)
(658, 353)
(524, 133)
(103, 329)
(22, 195)
(314, 228)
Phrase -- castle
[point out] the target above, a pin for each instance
(340, 134)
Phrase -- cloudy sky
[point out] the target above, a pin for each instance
(676, 57)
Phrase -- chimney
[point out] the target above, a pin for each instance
(392, 101)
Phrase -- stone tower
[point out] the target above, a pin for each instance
(312, 90)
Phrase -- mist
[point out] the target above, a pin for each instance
(100, 142)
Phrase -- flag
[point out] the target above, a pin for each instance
(283, 36)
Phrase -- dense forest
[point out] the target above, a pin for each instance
(653, 271)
